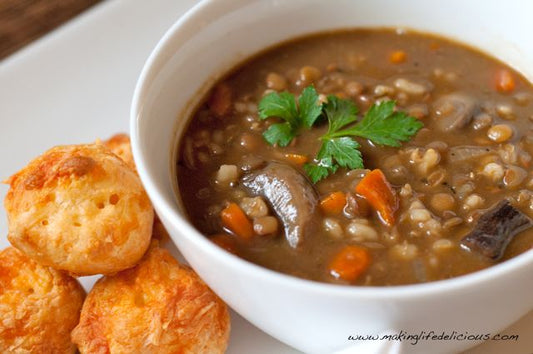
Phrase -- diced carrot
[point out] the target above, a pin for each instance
(398, 57)
(349, 263)
(375, 188)
(225, 241)
(220, 100)
(333, 203)
(296, 158)
(504, 81)
(234, 219)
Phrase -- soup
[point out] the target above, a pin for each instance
(365, 157)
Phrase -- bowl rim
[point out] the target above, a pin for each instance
(148, 73)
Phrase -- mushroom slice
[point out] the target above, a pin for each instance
(454, 111)
(290, 195)
(495, 229)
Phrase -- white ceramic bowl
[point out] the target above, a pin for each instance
(315, 317)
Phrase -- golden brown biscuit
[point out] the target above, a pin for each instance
(120, 145)
(159, 306)
(79, 208)
(39, 306)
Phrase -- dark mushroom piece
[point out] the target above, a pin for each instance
(454, 111)
(495, 229)
(290, 195)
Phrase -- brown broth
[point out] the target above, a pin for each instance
(348, 61)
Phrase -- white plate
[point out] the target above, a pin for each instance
(75, 85)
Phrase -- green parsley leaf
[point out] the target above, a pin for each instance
(344, 150)
(280, 105)
(309, 106)
(339, 113)
(383, 126)
(321, 169)
(335, 153)
(280, 133)
(283, 105)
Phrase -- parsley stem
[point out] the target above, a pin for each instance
(340, 133)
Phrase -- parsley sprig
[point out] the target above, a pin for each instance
(283, 105)
(380, 124)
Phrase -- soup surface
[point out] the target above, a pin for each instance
(430, 208)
